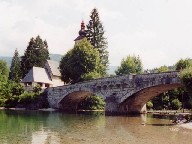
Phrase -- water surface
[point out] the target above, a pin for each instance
(34, 127)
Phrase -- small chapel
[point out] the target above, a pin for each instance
(50, 75)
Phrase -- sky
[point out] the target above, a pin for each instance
(158, 31)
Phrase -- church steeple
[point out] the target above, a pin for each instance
(82, 32)
(82, 25)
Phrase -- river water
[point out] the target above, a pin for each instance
(35, 127)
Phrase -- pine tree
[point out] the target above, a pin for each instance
(36, 54)
(95, 34)
(15, 69)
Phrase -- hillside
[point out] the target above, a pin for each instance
(57, 57)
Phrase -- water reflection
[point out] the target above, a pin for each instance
(34, 127)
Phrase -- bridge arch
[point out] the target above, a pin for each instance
(136, 102)
(69, 102)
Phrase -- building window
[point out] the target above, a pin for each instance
(47, 85)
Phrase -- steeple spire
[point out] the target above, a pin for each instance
(82, 32)
(82, 25)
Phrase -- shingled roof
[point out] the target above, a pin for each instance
(37, 74)
(54, 66)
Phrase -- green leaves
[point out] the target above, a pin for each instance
(186, 77)
(183, 63)
(95, 34)
(36, 54)
(4, 72)
(130, 65)
(15, 73)
(80, 60)
(93, 102)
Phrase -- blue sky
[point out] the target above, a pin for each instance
(159, 31)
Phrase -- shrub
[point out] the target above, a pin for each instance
(93, 102)
(176, 104)
(186, 77)
(149, 105)
(27, 98)
(37, 89)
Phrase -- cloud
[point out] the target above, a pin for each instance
(159, 32)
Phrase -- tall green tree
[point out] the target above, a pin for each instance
(183, 63)
(4, 71)
(36, 54)
(130, 64)
(15, 69)
(95, 34)
(79, 61)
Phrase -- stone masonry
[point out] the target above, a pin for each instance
(123, 94)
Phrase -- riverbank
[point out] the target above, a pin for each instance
(186, 125)
(44, 109)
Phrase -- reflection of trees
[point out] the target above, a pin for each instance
(30, 126)
(18, 125)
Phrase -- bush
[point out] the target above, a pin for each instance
(27, 98)
(176, 104)
(91, 76)
(186, 77)
(37, 89)
(149, 105)
(92, 102)
(11, 102)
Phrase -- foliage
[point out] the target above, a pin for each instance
(80, 60)
(36, 54)
(162, 69)
(186, 77)
(92, 102)
(37, 89)
(176, 104)
(149, 105)
(95, 34)
(12, 94)
(130, 65)
(28, 97)
(91, 75)
(4, 71)
(183, 63)
(15, 69)
(16, 88)
(9, 92)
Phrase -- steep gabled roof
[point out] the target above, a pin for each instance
(54, 66)
(37, 74)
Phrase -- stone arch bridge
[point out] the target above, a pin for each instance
(123, 94)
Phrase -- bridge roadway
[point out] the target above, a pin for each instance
(123, 94)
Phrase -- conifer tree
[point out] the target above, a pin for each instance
(36, 54)
(15, 69)
(95, 34)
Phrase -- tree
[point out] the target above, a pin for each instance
(91, 75)
(80, 60)
(131, 64)
(36, 54)
(186, 77)
(95, 34)
(15, 69)
(4, 72)
(183, 63)
(162, 69)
